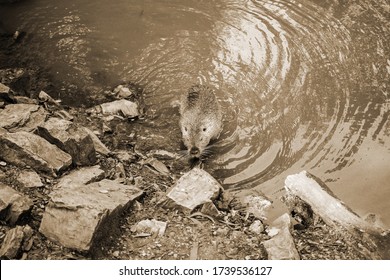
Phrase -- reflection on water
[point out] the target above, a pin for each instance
(304, 84)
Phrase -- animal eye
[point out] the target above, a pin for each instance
(204, 129)
(185, 128)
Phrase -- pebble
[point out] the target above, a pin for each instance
(3, 163)
(116, 254)
(221, 231)
(256, 227)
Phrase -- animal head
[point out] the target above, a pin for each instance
(197, 134)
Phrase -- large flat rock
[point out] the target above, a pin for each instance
(194, 188)
(26, 117)
(81, 215)
(70, 138)
(13, 204)
(27, 149)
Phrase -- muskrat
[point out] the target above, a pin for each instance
(201, 119)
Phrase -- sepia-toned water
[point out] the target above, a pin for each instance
(304, 85)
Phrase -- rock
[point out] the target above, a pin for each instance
(4, 88)
(164, 155)
(123, 107)
(85, 175)
(256, 227)
(22, 117)
(80, 216)
(13, 205)
(120, 171)
(25, 100)
(70, 138)
(324, 204)
(225, 200)
(106, 128)
(281, 246)
(12, 244)
(24, 148)
(43, 96)
(3, 163)
(122, 92)
(194, 188)
(257, 205)
(157, 165)
(210, 209)
(299, 210)
(149, 227)
(221, 232)
(125, 156)
(99, 146)
(115, 254)
(29, 179)
(62, 114)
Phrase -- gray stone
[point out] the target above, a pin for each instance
(29, 179)
(27, 149)
(25, 117)
(256, 204)
(122, 92)
(13, 204)
(256, 227)
(62, 114)
(281, 246)
(99, 146)
(194, 188)
(125, 156)
(70, 138)
(149, 227)
(210, 209)
(157, 165)
(78, 216)
(25, 100)
(325, 204)
(4, 88)
(43, 96)
(13, 241)
(85, 175)
(12, 244)
(124, 107)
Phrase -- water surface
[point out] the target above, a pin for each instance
(304, 84)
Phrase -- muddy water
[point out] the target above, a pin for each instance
(303, 84)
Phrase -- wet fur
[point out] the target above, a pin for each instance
(200, 110)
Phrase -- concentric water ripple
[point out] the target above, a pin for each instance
(303, 84)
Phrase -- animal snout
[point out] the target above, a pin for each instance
(194, 151)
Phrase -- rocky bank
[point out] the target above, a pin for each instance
(72, 188)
